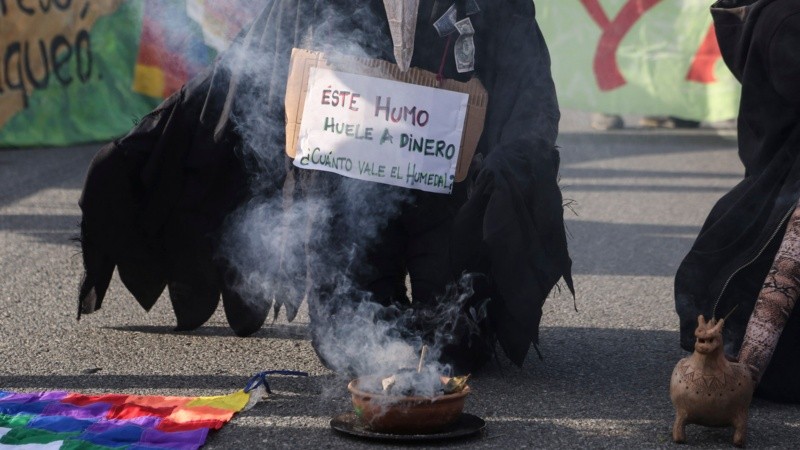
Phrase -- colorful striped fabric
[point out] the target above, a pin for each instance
(171, 49)
(179, 39)
(63, 420)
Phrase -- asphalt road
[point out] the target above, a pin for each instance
(640, 197)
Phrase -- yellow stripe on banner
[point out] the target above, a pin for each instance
(233, 402)
(149, 80)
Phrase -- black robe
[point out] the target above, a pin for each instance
(157, 202)
(726, 267)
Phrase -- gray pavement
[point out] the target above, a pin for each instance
(639, 199)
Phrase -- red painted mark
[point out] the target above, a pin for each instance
(702, 69)
(606, 69)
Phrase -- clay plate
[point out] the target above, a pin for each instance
(407, 414)
(466, 425)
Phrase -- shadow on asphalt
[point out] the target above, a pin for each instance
(640, 188)
(26, 172)
(133, 384)
(656, 249)
(633, 249)
(48, 229)
(591, 172)
(277, 436)
(592, 146)
(268, 331)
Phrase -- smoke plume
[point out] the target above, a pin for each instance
(302, 236)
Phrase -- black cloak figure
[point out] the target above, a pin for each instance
(726, 267)
(157, 203)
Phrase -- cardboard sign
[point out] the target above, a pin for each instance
(380, 130)
(453, 123)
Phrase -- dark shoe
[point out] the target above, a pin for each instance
(605, 122)
(668, 122)
(683, 123)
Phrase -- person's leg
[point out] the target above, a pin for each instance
(773, 309)
(445, 306)
(427, 224)
(382, 272)
(426, 258)
(779, 382)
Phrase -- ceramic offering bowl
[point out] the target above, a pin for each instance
(401, 414)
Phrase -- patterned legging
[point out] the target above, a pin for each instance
(775, 302)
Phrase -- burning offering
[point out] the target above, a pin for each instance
(409, 401)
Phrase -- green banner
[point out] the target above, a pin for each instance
(67, 71)
(648, 57)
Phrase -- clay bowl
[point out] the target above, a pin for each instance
(407, 414)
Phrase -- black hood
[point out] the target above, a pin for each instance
(729, 261)
(734, 21)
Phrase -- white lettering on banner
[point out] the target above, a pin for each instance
(381, 130)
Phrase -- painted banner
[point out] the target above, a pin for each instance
(75, 71)
(67, 71)
(648, 57)
(86, 70)
(381, 130)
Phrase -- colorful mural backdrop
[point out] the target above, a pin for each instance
(180, 38)
(67, 70)
(76, 71)
(171, 49)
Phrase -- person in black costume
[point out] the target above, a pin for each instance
(159, 202)
(728, 263)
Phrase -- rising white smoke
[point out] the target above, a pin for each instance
(275, 239)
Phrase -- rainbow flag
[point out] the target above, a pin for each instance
(64, 420)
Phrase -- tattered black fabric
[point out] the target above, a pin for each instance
(156, 202)
(727, 266)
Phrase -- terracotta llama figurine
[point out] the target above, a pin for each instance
(707, 389)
